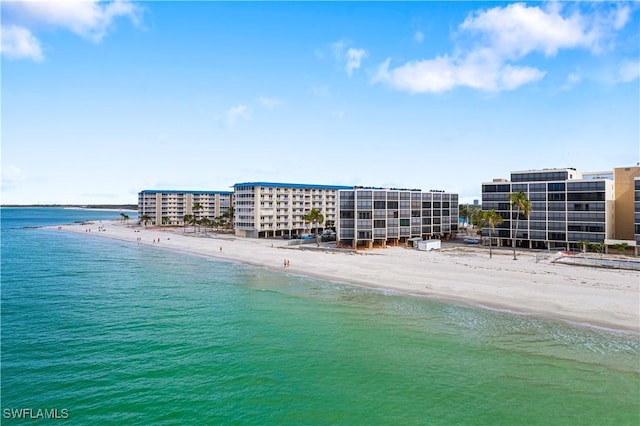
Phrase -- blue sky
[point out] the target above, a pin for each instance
(102, 100)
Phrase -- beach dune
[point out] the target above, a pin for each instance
(583, 295)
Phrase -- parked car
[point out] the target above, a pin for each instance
(471, 241)
(286, 236)
(328, 236)
(307, 237)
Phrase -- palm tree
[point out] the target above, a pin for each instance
(522, 204)
(185, 221)
(316, 217)
(165, 220)
(197, 207)
(206, 223)
(145, 218)
(229, 216)
(491, 218)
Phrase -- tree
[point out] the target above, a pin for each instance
(491, 218)
(463, 213)
(597, 247)
(197, 207)
(522, 204)
(185, 221)
(474, 215)
(584, 244)
(145, 218)
(165, 220)
(206, 223)
(621, 247)
(229, 214)
(314, 216)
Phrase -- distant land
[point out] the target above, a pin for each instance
(80, 206)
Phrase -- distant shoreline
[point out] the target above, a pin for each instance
(77, 206)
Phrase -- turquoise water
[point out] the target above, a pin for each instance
(117, 333)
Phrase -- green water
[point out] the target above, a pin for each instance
(117, 333)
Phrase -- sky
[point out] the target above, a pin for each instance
(100, 100)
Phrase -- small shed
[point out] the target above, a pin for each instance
(428, 245)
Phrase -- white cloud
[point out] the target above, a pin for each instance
(269, 103)
(628, 71)
(418, 36)
(19, 43)
(236, 113)
(89, 19)
(350, 56)
(354, 59)
(517, 30)
(493, 40)
(443, 73)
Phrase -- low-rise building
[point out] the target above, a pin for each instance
(375, 217)
(169, 207)
(268, 209)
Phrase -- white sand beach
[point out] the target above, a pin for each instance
(584, 295)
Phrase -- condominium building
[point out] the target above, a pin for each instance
(170, 207)
(370, 217)
(626, 205)
(566, 208)
(636, 182)
(268, 209)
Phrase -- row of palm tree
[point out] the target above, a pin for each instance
(523, 207)
(491, 218)
(223, 221)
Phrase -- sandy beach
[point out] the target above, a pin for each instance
(581, 295)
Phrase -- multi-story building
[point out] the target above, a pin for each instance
(625, 196)
(372, 217)
(170, 207)
(636, 182)
(267, 209)
(566, 208)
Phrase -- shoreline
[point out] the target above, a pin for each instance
(581, 296)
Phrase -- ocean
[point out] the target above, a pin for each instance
(99, 331)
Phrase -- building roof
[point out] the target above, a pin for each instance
(176, 191)
(292, 185)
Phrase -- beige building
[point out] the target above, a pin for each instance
(625, 206)
(170, 207)
(267, 209)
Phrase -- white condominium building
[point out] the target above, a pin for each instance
(567, 206)
(267, 209)
(375, 217)
(170, 207)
